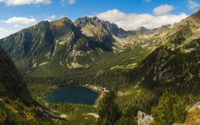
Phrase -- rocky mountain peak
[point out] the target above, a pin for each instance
(196, 15)
(80, 22)
(90, 24)
(142, 28)
(63, 28)
(92, 27)
(63, 21)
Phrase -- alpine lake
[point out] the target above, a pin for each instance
(72, 94)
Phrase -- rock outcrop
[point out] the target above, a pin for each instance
(144, 119)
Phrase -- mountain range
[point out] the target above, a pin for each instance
(74, 45)
(90, 50)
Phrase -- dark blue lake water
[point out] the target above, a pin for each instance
(72, 94)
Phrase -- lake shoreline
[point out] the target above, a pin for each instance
(74, 94)
(98, 89)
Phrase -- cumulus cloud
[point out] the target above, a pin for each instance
(132, 21)
(15, 24)
(24, 2)
(163, 9)
(4, 32)
(70, 2)
(193, 4)
(18, 21)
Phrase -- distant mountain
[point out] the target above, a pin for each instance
(92, 26)
(139, 31)
(57, 47)
(61, 41)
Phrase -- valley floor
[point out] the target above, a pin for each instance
(130, 100)
(86, 114)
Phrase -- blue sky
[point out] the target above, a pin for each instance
(128, 14)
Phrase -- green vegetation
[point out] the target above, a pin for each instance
(135, 98)
(15, 112)
(76, 114)
(172, 108)
(108, 110)
(169, 110)
(86, 114)
(39, 90)
(102, 71)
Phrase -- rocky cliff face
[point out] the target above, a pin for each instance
(88, 23)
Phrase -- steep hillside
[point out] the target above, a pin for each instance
(177, 62)
(175, 66)
(11, 83)
(166, 83)
(16, 103)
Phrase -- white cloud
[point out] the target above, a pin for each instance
(24, 2)
(6, 31)
(3, 32)
(163, 9)
(18, 21)
(193, 4)
(132, 21)
(71, 2)
(15, 24)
